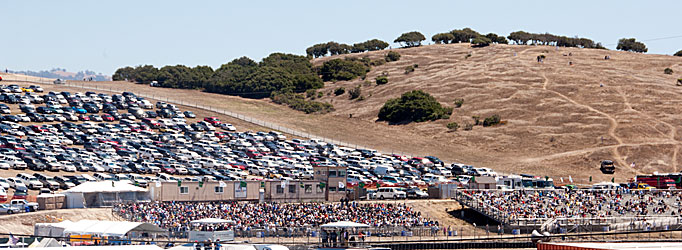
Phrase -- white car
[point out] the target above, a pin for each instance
(4, 183)
(4, 164)
(68, 167)
(23, 118)
(228, 127)
(17, 184)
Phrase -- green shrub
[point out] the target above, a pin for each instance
(310, 93)
(668, 71)
(491, 121)
(361, 98)
(453, 126)
(381, 80)
(481, 41)
(342, 70)
(679, 53)
(339, 91)
(298, 102)
(409, 69)
(354, 93)
(413, 106)
(468, 126)
(392, 56)
(320, 94)
(459, 102)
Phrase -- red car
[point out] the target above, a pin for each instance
(37, 128)
(168, 169)
(212, 120)
(108, 117)
(83, 118)
(18, 195)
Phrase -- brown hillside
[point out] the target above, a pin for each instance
(556, 114)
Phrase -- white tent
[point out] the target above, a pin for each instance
(104, 193)
(96, 227)
(211, 221)
(51, 229)
(344, 224)
(106, 187)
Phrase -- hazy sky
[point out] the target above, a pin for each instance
(105, 35)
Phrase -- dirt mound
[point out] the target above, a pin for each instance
(24, 223)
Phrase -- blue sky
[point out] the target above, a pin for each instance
(105, 35)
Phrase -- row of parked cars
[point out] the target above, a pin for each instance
(135, 144)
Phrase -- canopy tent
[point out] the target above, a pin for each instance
(344, 224)
(51, 229)
(105, 187)
(104, 193)
(95, 227)
(211, 221)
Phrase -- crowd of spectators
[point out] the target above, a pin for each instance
(176, 216)
(580, 203)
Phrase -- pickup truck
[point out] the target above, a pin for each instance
(24, 205)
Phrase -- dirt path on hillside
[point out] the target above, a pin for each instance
(613, 123)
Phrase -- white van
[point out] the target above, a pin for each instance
(389, 192)
(605, 186)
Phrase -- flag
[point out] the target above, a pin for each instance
(283, 184)
(262, 184)
(613, 179)
(302, 186)
(570, 179)
(222, 184)
(179, 183)
(201, 183)
(113, 184)
(13, 240)
(342, 185)
(473, 179)
(590, 178)
(158, 183)
(322, 184)
(546, 178)
(679, 179)
(378, 185)
(362, 185)
(242, 184)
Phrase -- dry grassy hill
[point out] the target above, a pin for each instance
(556, 114)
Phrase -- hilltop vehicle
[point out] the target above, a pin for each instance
(59, 81)
(24, 205)
(607, 167)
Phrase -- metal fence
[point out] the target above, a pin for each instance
(119, 89)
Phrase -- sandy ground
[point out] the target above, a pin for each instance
(559, 121)
(23, 223)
